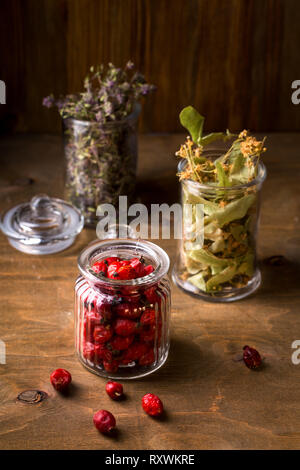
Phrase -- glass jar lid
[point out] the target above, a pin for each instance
(42, 226)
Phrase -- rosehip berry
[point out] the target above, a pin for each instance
(104, 421)
(151, 295)
(152, 405)
(89, 351)
(112, 259)
(111, 366)
(119, 343)
(102, 333)
(251, 357)
(147, 358)
(92, 319)
(60, 379)
(148, 270)
(138, 267)
(114, 390)
(102, 353)
(112, 270)
(128, 311)
(125, 273)
(147, 334)
(125, 327)
(100, 267)
(124, 262)
(134, 352)
(148, 317)
(103, 307)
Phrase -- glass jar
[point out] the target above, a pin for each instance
(101, 162)
(144, 301)
(217, 255)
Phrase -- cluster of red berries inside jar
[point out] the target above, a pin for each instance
(122, 325)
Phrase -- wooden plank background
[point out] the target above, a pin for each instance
(234, 60)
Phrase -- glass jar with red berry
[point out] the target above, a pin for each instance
(122, 310)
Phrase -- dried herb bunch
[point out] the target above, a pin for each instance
(100, 136)
(227, 258)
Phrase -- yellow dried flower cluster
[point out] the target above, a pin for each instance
(246, 148)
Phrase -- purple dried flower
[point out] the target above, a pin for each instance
(109, 94)
(99, 116)
(129, 65)
(48, 101)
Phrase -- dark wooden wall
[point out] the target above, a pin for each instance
(232, 59)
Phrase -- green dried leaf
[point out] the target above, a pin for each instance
(198, 281)
(234, 210)
(193, 122)
(224, 276)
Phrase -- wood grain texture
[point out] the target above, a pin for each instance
(234, 60)
(211, 401)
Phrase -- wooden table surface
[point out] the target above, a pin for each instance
(212, 401)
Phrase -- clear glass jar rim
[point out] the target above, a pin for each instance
(261, 176)
(133, 115)
(150, 249)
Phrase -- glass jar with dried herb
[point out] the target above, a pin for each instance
(101, 162)
(100, 134)
(217, 259)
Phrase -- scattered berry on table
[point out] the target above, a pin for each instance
(251, 357)
(104, 421)
(60, 379)
(152, 405)
(114, 390)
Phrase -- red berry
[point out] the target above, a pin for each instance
(112, 270)
(152, 405)
(125, 327)
(119, 343)
(89, 351)
(125, 273)
(251, 357)
(92, 319)
(147, 334)
(128, 311)
(147, 358)
(138, 266)
(60, 379)
(100, 267)
(148, 269)
(148, 317)
(125, 262)
(134, 352)
(102, 353)
(104, 421)
(103, 307)
(151, 295)
(114, 390)
(112, 259)
(111, 366)
(102, 333)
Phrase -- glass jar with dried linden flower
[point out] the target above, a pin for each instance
(220, 197)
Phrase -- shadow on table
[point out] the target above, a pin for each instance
(186, 360)
(279, 276)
